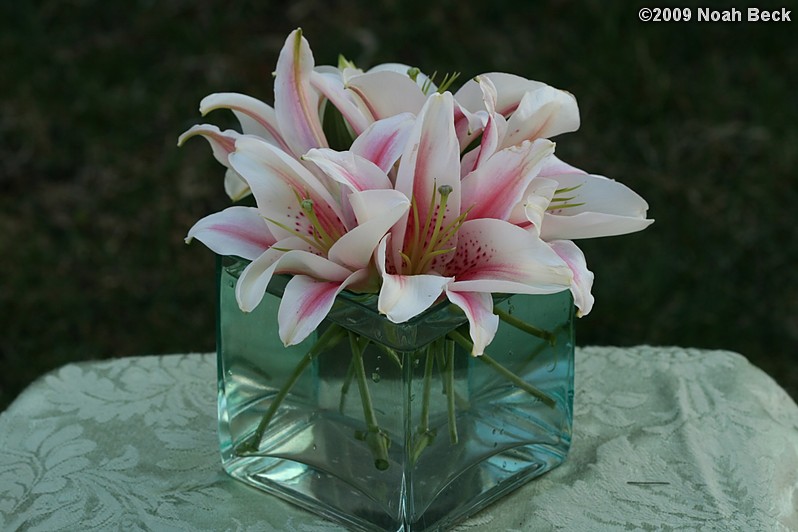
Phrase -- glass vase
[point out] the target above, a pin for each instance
(385, 426)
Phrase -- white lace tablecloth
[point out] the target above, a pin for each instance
(664, 439)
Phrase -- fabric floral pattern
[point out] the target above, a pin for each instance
(665, 439)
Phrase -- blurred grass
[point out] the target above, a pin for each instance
(95, 198)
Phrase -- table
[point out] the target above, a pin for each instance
(665, 438)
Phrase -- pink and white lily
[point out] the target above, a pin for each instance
(514, 110)
(439, 249)
(297, 228)
(405, 208)
(586, 206)
(302, 94)
(562, 202)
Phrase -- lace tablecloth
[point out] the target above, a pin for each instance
(664, 439)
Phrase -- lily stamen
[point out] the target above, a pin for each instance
(449, 231)
(343, 62)
(447, 82)
(564, 206)
(423, 255)
(427, 85)
(567, 189)
(311, 242)
(319, 233)
(444, 191)
(559, 202)
(419, 236)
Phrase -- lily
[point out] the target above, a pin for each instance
(586, 206)
(420, 194)
(435, 250)
(305, 98)
(513, 110)
(576, 204)
(564, 203)
(438, 249)
(297, 228)
(561, 203)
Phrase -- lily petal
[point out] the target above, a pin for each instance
(582, 282)
(601, 207)
(236, 231)
(469, 162)
(376, 212)
(403, 297)
(223, 143)
(383, 141)
(384, 93)
(403, 69)
(297, 260)
(432, 157)
(332, 87)
(495, 188)
(531, 212)
(556, 166)
(371, 204)
(590, 225)
(468, 124)
(510, 89)
(490, 134)
(349, 169)
(252, 283)
(276, 180)
(482, 322)
(474, 158)
(542, 113)
(256, 117)
(296, 102)
(305, 304)
(235, 186)
(430, 160)
(497, 256)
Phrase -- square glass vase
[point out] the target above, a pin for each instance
(385, 426)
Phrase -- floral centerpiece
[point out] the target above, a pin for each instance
(391, 230)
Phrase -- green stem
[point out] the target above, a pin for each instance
(375, 437)
(391, 354)
(426, 388)
(518, 381)
(424, 435)
(449, 386)
(350, 374)
(541, 348)
(504, 372)
(524, 326)
(330, 337)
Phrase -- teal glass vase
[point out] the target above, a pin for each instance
(384, 426)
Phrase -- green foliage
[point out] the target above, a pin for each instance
(95, 198)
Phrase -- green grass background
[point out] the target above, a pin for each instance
(95, 198)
